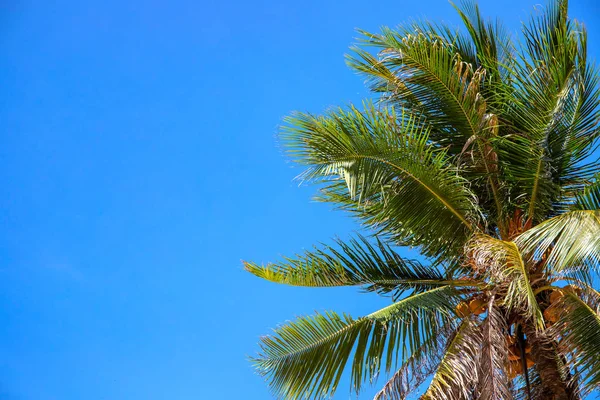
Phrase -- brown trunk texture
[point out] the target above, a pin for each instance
(544, 356)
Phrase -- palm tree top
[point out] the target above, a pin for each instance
(478, 151)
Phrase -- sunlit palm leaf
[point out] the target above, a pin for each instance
(432, 79)
(421, 68)
(491, 41)
(375, 267)
(553, 115)
(305, 358)
(394, 180)
(505, 265)
(571, 241)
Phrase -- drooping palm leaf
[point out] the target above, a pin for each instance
(535, 392)
(505, 266)
(306, 357)
(456, 374)
(587, 293)
(415, 371)
(380, 166)
(421, 69)
(493, 382)
(375, 267)
(579, 327)
(571, 241)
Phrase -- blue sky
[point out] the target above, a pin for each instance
(140, 165)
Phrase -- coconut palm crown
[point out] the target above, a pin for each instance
(478, 152)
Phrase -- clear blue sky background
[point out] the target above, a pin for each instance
(139, 165)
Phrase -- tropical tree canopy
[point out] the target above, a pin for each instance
(478, 152)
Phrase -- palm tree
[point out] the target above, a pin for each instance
(478, 153)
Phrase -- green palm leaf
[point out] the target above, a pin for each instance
(375, 267)
(579, 327)
(380, 166)
(305, 358)
(492, 43)
(432, 80)
(420, 69)
(571, 241)
(589, 197)
(553, 115)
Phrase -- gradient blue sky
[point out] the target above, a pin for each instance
(139, 165)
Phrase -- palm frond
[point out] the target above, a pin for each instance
(536, 386)
(504, 263)
(380, 166)
(586, 292)
(374, 266)
(492, 43)
(456, 374)
(425, 73)
(482, 158)
(415, 371)
(493, 383)
(571, 241)
(579, 327)
(306, 358)
(553, 114)
(589, 197)
(420, 68)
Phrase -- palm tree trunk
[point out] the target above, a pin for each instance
(544, 356)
